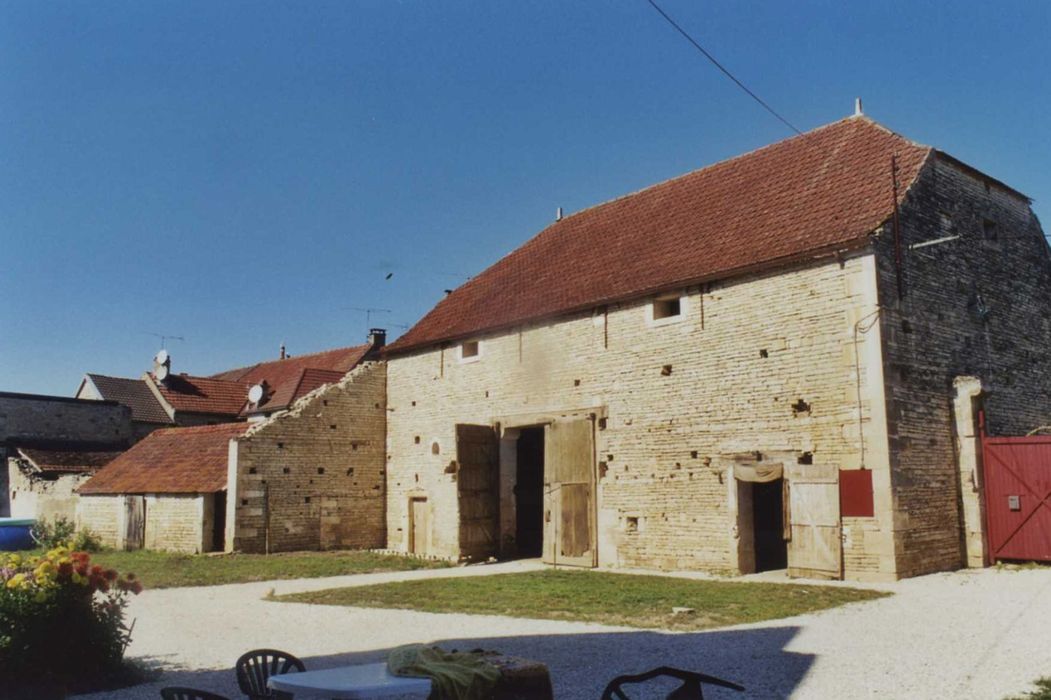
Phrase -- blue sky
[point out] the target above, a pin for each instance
(245, 174)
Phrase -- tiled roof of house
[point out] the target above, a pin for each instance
(173, 460)
(292, 390)
(277, 372)
(59, 461)
(203, 394)
(826, 189)
(293, 377)
(134, 394)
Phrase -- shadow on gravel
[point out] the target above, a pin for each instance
(582, 664)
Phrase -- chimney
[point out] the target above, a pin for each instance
(857, 107)
(558, 214)
(377, 337)
(282, 352)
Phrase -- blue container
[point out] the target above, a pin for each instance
(15, 534)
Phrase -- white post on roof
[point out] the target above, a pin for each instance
(857, 107)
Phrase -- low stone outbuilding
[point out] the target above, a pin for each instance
(167, 492)
(44, 480)
(753, 366)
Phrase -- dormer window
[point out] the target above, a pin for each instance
(470, 351)
(668, 308)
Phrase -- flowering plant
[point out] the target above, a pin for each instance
(61, 618)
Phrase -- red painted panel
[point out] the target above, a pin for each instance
(855, 493)
(1017, 474)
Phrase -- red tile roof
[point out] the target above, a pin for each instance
(277, 372)
(173, 460)
(203, 394)
(826, 189)
(134, 394)
(67, 461)
(296, 376)
(288, 393)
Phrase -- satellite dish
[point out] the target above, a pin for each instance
(255, 394)
(162, 372)
(162, 357)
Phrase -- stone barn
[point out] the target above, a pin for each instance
(772, 362)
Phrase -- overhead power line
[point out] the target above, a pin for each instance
(720, 66)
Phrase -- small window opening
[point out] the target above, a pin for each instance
(667, 308)
(320, 470)
(989, 229)
(469, 349)
(286, 470)
(416, 439)
(631, 524)
(435, 449)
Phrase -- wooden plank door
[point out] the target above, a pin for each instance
(816, 547)
(419, 526)
(569, 493)
(478, 491)
(134, 522)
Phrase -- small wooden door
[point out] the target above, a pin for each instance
(478, 491)
(569, 493)
(134, 522)
(419, 526)
(816, 547)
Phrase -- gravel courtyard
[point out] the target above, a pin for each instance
(970, 634)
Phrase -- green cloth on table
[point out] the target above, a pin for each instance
(454, 675)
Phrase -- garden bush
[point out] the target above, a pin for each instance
(62, 625)
(62, 532)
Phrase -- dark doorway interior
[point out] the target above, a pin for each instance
(219, 523)
(771, 552)
(529, 493)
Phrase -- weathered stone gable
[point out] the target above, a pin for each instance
(43, 499)
(677, 400)
(979, 305)
(313, 477)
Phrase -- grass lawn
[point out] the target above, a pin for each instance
(167, 570)
(590, 596)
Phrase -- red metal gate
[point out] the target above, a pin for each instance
(1017, 475)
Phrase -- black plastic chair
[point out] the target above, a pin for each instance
(689, 690)
(177, 693)
(256, 666)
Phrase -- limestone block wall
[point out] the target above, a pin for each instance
(313, 477)
(976, 305)
(175, 523)
(765, 363)
(31, 417)
(103, 515)
(43, 499)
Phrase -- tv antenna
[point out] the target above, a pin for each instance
(368, 311)
(164, 338)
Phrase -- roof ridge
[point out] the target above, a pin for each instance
(731, 159)
(244, 368)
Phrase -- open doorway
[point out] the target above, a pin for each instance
(219, 522)
(529, 492)
(771, 552)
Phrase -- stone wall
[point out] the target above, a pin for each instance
(976, 305)
(104, 516)
(765, 363)
(313, 477)
(174, 522)
(28, 417)
(42, 499)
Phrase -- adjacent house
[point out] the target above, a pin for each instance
(147, 414)
(772, 361)
(304, 471)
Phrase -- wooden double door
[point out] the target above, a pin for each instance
(569, 513)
